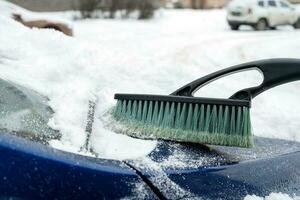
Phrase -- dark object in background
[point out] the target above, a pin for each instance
(147, 9)
(87, 8)
(44, 24)
(109, 8)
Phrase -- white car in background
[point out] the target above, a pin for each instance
(262, 14)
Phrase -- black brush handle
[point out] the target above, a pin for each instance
(275, 71)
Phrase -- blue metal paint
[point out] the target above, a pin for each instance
(33, 171)
(259, 177)
(223, 177)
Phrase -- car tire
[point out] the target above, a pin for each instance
(234, 27)
(261, 25)
(296, 25)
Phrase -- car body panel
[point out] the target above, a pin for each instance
(34, 171)
(223, 172)
(258, 177)
(29, 170)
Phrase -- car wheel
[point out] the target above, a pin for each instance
(234, 27)
(297, 24)
(261, 25)
(273, 28)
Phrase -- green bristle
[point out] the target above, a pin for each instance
(155, 113)
(166, 120)
(123, 111)
(214, 120)
(134, 109)
(207, 119)
(177, 116)
(139, 111)
(232, 121)
(195, 117)
(189, 122)
(244, 118)
(145, 110)
(202, 121)
(172, 115)
(160, 114)
(238, 120)
(225, 127)
(118, 109)
(128, 110)
(150, 110)
(182, 118)
(220, 117)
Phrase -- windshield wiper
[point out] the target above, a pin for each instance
(89, 127)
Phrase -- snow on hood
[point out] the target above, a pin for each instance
(143, 58)
(8, 8)
(65, 70)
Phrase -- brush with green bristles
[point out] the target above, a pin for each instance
(182, 117)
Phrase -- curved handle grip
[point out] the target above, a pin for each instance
(275, 71)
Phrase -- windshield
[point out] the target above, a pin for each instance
(25, 113)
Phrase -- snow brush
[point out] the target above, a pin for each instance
(184, 118)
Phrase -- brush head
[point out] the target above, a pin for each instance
(188, 119)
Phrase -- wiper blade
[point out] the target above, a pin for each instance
(89, 126)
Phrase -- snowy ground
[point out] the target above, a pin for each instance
(155, 56)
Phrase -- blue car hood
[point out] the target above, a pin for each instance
(181, 170)
(30, 170)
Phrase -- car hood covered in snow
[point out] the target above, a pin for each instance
(7, 9)
(171, 171)
(71, 71)
(210, 172)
